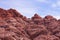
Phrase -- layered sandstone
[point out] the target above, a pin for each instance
(14, 26)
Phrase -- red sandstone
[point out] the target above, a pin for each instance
(14, 26)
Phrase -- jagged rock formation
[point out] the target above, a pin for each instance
(14, 26)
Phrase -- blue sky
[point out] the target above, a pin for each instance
(30, 7)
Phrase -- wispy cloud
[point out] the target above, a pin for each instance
(56, 4)
(29, 12)
(24, 7)
(30, 7)
(42, 1)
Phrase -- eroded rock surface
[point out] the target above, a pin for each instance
(14, 26)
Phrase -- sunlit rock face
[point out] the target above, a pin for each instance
(15, 26)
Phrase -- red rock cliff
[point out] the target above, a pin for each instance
(14, 26)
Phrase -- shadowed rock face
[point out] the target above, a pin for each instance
(14, 26)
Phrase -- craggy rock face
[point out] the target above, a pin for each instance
(46, 37)
(14, 26)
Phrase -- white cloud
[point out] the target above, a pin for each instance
(24, 7)
(56, 4)
(42, 1)
(58, 17)
(27, 8)
(29, 12)
(55, 15)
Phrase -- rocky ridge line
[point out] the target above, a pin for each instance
(14, 26)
